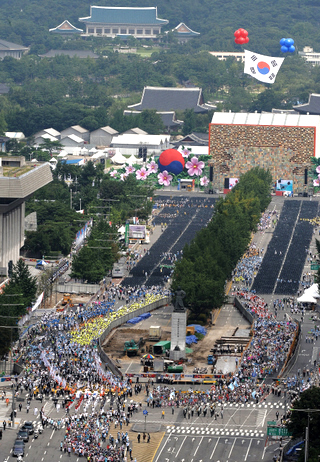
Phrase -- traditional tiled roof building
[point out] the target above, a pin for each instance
(110, 21)
(168, 100)
(66, 28)
(11, 49)
(184, 33)
(311, 107)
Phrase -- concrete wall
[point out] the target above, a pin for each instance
(122, 320)
(245, 313)
(78, 288)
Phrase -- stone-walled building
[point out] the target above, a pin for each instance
(282, 143)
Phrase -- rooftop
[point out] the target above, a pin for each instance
(123, 15)
(7, 46)
(66, 28)
(172, 99)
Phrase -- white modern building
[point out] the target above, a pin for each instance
(310, 56)
(224, 55)
(129, 144)
(13, 193)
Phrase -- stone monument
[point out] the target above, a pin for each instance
(178, 327)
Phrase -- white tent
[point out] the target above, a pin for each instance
(306, 298)
(63, 153)
(119, 159)
(313, 291)
(133, 160)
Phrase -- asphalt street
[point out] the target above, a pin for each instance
(238, 435)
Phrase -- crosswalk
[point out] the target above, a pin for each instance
(214, 431)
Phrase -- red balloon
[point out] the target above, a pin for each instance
(244, 33)
(241, 40)
(246, 40)
(237, 33)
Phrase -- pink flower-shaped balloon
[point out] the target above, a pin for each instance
(204, 181)
(185, 152)
(130, 169)
(141, 174)
(316, 182)
(152, 167)
(195, 166)
(318, 169)
(164, 178)
(123, 176)
(113, 173)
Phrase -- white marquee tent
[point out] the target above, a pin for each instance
(119, 159)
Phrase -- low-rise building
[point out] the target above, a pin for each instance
(78, 131)
(183, 33)
(72, 141)
(224, 55)
(128, 144)
(11, 49)
(310, 56)
(109, 21)
(167, 100)
(102, 136)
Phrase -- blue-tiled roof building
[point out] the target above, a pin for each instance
(110, 21)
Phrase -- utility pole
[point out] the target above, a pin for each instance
(307, 431)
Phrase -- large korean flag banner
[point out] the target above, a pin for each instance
(263, 68)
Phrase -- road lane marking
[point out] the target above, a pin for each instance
(181, 445)
(232, 448)
(52, 434)
(162, 448)
(198, 446)
(215, 447)
(247, 453)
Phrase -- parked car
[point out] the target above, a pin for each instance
(28, 426)
(23, 435)
(18, 448)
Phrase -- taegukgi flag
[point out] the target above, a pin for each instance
(263, 68)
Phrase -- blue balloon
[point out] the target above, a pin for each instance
(289, 42)
(292, 49)
(282, 41)
(284, 49)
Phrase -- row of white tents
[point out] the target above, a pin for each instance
(119, 159)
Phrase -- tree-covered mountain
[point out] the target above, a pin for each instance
(28, 21)
(63, 91)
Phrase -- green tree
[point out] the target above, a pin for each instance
(189, 122)
(96, 258)
(209, 259)
(151, 122)
(309, 415)
(50, 146)
(17, 296)
(3, 123)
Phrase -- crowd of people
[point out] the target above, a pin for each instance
(62, 359)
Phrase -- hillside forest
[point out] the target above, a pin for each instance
(63, 91)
